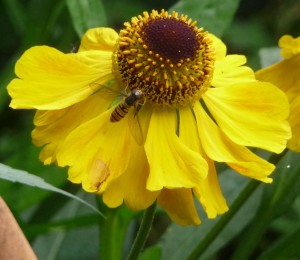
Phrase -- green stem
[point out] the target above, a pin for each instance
(143, 233)
(112, 232)
(236, 205)
(209, 238)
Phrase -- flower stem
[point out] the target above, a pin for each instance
(142, 233)
(224, 220)
(112, 232)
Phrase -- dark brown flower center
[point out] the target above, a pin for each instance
(166, 57)
(171, 38)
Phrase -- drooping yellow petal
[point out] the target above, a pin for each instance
(179, 204)
(284, 74)
(294, 120)
(99, 39)
(172, 163)
(290, 46)
(102, 145)
(208, 191)
(219, 148)
(188, 134)
(229, 71)
(131, 185)
(53, 126)
(251, 114)
(51, 80)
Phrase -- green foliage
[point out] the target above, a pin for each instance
(13, 175)
(59, 227)
(178, 242)
(215, 16)
(151, 253)
(86, 14)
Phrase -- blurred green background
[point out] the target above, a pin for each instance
(60, 228)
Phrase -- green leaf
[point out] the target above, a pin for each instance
(17, 15)
(20, 176)
(214, 15)
(86, 14)
(66, 224)
(178, 242)
(286, 248)
(76, 243)
(277, 199)
(151, 253)
(79, 243)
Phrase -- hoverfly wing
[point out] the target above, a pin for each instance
(109, 91)
(135, 127)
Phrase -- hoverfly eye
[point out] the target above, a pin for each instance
(138, 93)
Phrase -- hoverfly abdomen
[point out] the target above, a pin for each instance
(121, 110)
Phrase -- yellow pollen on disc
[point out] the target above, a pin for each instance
(166, 57)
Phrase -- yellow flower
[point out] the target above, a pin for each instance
(286, 75)
(188, 104)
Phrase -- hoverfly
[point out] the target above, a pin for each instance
(122, 109)
(127, 102)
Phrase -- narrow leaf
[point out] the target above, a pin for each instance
(24, 177)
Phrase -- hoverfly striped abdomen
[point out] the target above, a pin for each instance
(121, 110)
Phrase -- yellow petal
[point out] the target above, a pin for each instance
(172, 164)
(251, 114)
(208, 190)
(290, 46)
(179, 204)
(95, 144)
(294, 119)
(131, 185)
(219, 148)
(53, 126)
(284, 74)
(51, 80)
(188, 133)
(229, 70)
(209, 193)
(218, 45)
(99, 39)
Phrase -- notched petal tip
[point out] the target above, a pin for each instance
(290, 46)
